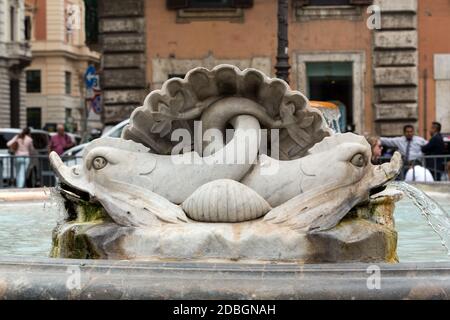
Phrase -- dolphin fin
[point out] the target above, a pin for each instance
(130, 205)
(313, 211)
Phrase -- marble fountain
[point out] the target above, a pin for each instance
(226, 184)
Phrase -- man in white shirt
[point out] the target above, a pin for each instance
(409, 145)
(418, 173)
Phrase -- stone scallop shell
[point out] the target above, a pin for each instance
(225, 201)
(180, 102)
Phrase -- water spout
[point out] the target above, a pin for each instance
(436, 216)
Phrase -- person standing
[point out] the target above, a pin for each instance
(409, 145)
(435, 147)
(60, 142)
(22, 146)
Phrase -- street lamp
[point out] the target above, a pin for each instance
(282, 66)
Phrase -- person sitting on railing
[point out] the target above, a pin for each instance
(435, 147)
(418, 173)
(22, 147)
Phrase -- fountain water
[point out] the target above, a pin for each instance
(435, 215)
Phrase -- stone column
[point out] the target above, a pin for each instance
(395, 60)
(123, 43)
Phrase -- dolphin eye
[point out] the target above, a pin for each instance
(99, 163)
(358, 160)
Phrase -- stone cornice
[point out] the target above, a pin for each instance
(52, 49)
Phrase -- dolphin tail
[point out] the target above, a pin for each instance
(312, 211)
(130, 205)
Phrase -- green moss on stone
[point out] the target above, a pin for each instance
(73, 243)
(88, 212)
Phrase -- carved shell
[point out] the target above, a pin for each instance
(225, 201)
(182, 101)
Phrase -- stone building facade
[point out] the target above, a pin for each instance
(15, 55)
(55, 79)
(383, 72)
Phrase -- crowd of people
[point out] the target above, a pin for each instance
(414, 149)
(21, 146)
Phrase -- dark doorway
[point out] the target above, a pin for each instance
(14, 100)
(34, 116)
(333, 81)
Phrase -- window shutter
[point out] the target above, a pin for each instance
(177, 4)
(242, 3)
(361, 2)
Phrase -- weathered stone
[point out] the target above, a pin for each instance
(200, 14)
(224, 200)
(397, 111)
(123, 43)
(397, 5)
(359, 240)
(393, 129)
(397, 94)
(24, 278)
(124, 96)
(123, 78)
(121, 8)
(311, 13)
(395, 40)
(396, 58)
(396, 76)
(398, 21)
(124, 60)
(122, 25)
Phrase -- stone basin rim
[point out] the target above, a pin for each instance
(45, 278)
(219, 266)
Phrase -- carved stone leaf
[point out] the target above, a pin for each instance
(180, 102)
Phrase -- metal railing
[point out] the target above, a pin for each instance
(37, 174)
(436, 166)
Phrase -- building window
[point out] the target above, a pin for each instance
(27, 28)
(68, 76)
(91, 21)
(34, 116)
(12, 23)
(33, 81)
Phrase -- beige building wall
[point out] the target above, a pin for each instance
(58, 53)
(14, 56)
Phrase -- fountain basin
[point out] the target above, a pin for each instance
(25, 272)
(40, 278)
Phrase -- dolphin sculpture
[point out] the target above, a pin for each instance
(318, 179)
